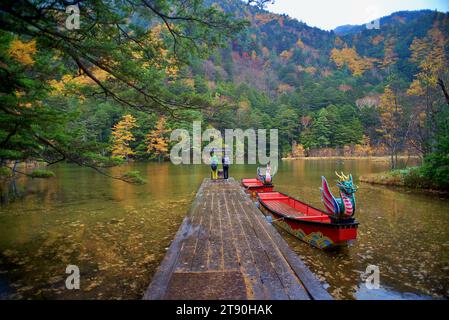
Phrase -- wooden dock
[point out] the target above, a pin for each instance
(226, 250)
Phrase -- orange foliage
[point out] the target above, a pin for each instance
(285, 88)
(390, 56)
(390, 116)
(377, 39)
(157, 142)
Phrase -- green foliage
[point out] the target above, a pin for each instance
(334, 126)
(51, 77)
(133, 177)
(42, 174)
(60, 101)
(5, 173)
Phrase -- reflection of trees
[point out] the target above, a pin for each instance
(121, 191)
(159, 179)
(9, 191)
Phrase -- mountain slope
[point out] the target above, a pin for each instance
(282, 73)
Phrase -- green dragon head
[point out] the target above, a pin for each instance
(345, 184)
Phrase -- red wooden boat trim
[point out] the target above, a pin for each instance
(254, 186)
(308, 223)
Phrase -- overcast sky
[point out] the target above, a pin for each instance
(328, 14)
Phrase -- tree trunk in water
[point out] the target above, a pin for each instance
(15, 166)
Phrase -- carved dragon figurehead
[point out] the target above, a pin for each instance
(344, 207)
(345, 184)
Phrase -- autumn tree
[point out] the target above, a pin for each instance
(122, 137)
(349, 57)
(131, 63)
(429, 54)
(157, 141)
(391, 124)
(390, 56)
(429, 89)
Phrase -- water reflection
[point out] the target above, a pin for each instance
(118, 233)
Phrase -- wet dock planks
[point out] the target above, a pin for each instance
(226, 250)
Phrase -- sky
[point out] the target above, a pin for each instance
(329, 14)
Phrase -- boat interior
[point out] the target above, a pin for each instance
(292, 208)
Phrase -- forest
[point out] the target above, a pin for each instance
(113, 90)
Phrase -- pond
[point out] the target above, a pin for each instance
(117, 233)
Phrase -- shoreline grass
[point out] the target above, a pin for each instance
(374, 158)
(411, 178)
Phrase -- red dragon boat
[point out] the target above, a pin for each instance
(321, 229)
(254, 186)
(262, 184)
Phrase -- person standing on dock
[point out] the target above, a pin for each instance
(225, 162)
(214, 165)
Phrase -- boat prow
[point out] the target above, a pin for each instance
(307, 223)
(254, 186)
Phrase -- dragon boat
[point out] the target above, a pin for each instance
(323, 229)
(263, 182)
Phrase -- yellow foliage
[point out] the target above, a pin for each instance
(59, 87)
(122, 136)
(390, 113)
(157, 142)
(244, 105)
(364, 148)
(23, 51)
(285, 88)
(415, 89)
(298, 150)
(300, 44)
(189, 82)
(161, 59)
(390, 56)
(286, 55)
(430, 55)
(349, 57)
(310, 70)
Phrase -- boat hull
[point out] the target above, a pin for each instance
(254, 186)
(315, 227)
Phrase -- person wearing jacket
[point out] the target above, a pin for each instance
(214, 165)
(225, 162)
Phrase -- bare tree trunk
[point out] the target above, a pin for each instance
(15, 166)
(443, 88)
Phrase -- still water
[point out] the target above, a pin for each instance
(117, 233)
